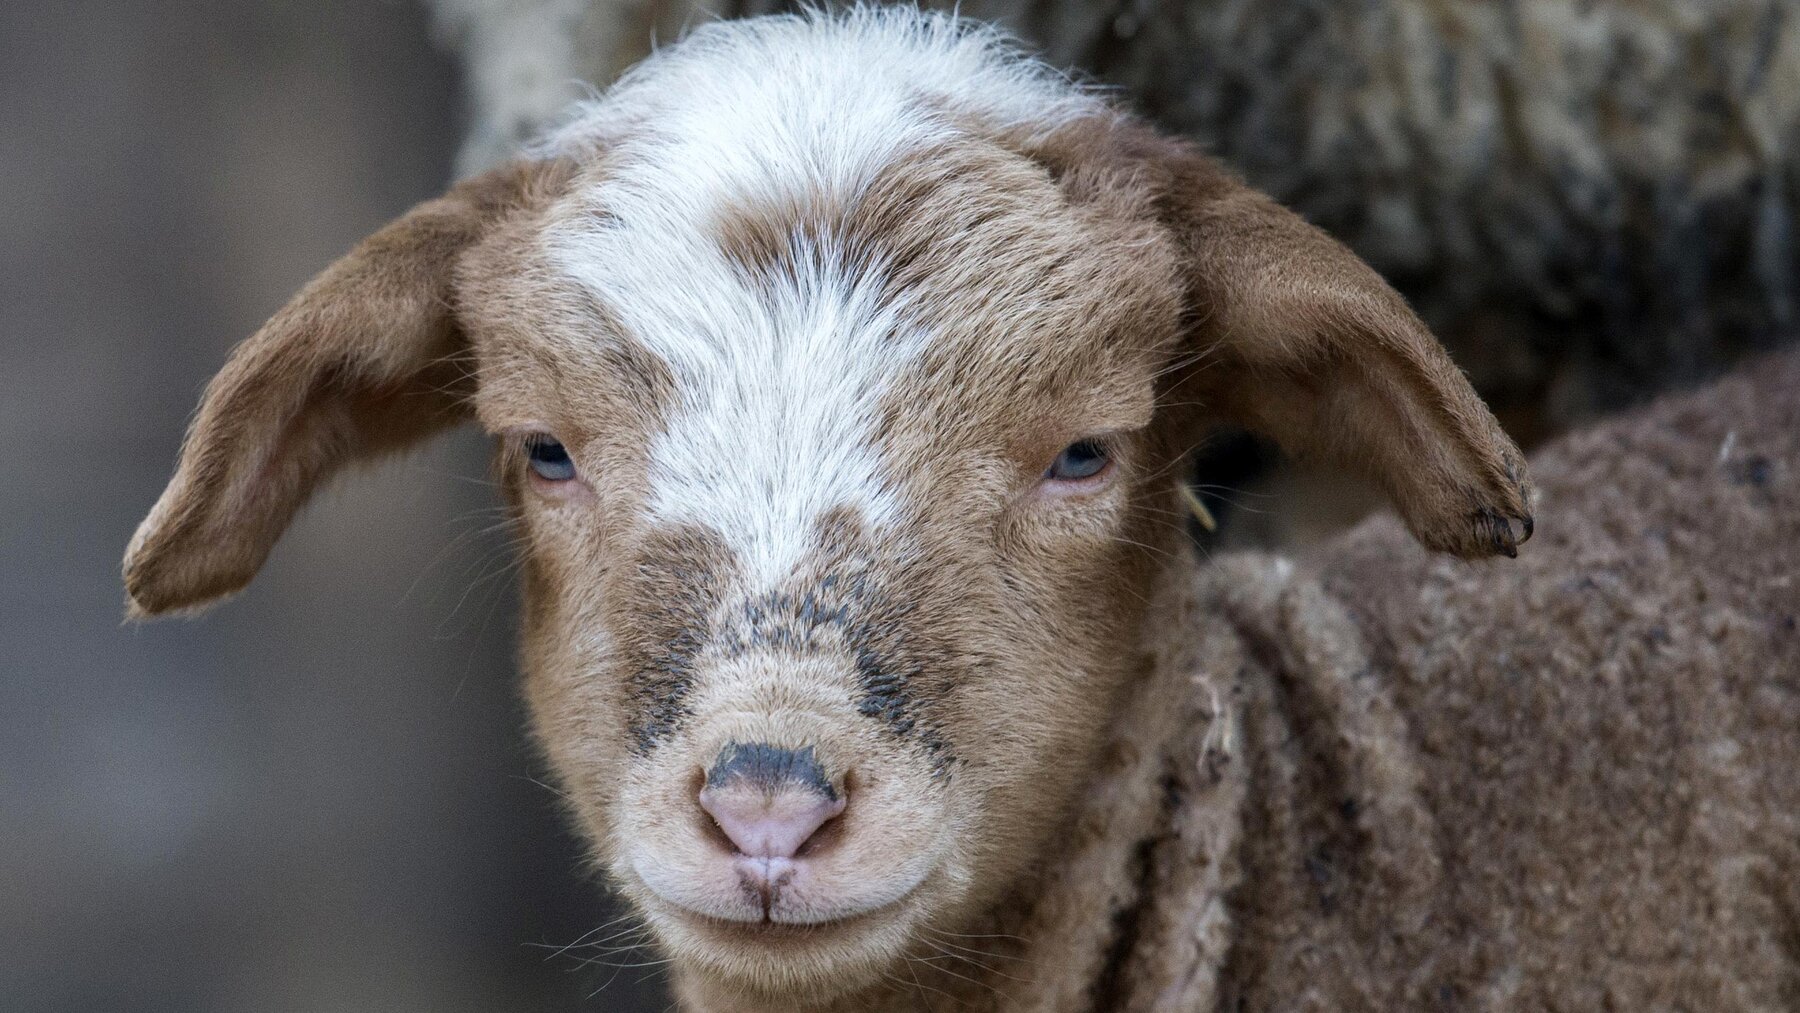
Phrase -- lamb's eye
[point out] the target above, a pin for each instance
(549, 461)
(1083, 459)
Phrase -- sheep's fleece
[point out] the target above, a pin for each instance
(1379, 779)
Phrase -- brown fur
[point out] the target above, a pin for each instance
(955, 672)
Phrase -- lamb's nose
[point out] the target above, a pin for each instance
(768, 800)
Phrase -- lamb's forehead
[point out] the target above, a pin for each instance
(853, 170)
(793, 218)
(751, 137)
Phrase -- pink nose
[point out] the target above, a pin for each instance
(769, 825)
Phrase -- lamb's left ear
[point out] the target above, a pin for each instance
(368, 357)
(1296, 337)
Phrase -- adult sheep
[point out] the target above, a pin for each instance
(840, 368)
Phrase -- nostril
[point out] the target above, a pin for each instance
(774, 825)
(770, 801)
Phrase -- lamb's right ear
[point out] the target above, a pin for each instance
(367, 358)
(1297, 338)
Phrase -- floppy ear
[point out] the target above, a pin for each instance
(367, 358)
(1297, 338)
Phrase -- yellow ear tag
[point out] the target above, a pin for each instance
(1198, 508)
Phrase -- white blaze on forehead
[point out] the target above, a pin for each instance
(778, 379)
(777, 393)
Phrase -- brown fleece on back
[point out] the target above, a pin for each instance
(1609, 733)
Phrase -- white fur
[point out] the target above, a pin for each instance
(777, 391)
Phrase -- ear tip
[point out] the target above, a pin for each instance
(143, 599)
(141, 607)
(137, 612)
(153, 593)
(1484, 534)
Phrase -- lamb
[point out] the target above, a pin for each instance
(1589, 202)
(841, 369)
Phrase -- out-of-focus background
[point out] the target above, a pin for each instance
(321, 796)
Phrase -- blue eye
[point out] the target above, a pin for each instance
(1080, 460)
(549, 461)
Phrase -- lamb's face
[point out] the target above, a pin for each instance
(837, 513)
(841, 366)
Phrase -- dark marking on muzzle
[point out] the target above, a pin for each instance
(684, 620)
(680, 577)
(661, 687)
(845, 613)
(885, 679)
(770, 768)
(786, 621)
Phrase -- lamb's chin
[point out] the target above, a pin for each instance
(821, 961)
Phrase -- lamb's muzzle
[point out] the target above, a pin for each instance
(772, 804)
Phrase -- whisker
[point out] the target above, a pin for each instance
(963, 977)
(623, 965)
(911, 970)
(589, 934)
(559, 793)
(944, 954)
(1217, 489)
(1159, 550)
(983, 953)
(455, 543)
(967, 935)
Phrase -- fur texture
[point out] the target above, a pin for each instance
(1590, 202)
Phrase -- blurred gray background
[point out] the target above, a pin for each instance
(320, 797)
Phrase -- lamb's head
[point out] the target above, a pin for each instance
(842, 371)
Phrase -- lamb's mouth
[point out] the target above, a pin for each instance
(771, 929)
(769, 958)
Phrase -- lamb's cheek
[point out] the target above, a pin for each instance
(573, 704)
(1039, 719)
(1029, 740)
(1029, 729)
